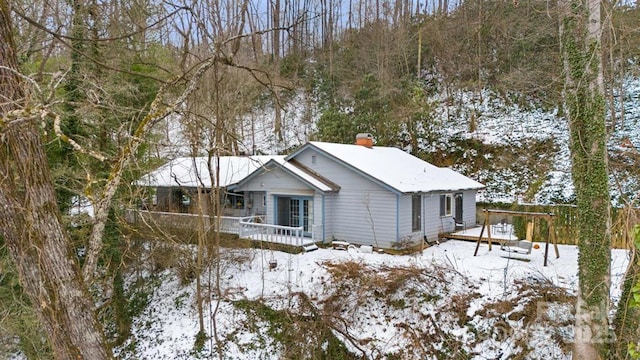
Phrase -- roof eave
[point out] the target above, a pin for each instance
(449, 190)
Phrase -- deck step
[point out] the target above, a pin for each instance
(310, 247)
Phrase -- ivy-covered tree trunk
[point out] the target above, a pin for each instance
(580, 31)
(627, 320)
(30, 221)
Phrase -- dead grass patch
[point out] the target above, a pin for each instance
(422, 304)
(527, 310)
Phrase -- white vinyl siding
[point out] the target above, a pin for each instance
(365, 218)
(435, 224)
(469, 207)
(405, 212)
(329, 200)
(431, 219)
(362, 212)
(256, 203)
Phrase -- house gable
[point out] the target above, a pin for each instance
(364, 211)
(335, 169)
(283, 170)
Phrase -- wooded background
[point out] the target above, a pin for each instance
(91, 79)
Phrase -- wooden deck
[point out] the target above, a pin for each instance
(277, 234)
(498, 233)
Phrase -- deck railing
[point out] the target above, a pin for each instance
(250, 227)
(272, 233)
(227, 224)
(231, 224)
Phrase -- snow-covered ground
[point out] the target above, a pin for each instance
(477, 303)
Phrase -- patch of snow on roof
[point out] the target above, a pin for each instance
(398, 169)
(182, 171)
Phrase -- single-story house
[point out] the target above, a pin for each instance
(361, 194)
(177, 184)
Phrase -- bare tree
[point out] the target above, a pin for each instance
(30, 219)
(276, 50)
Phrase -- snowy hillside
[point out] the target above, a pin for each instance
(510, 126)
(496, 123)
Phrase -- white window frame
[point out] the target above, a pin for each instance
(448, 205)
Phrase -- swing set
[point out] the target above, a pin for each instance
(551, 234)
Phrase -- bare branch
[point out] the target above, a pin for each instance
(156, 113)
(63, 39)
(68, 140)
(25, 78)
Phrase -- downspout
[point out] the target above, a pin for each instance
(397, 217)
(323, 220)
(275, 210)
(424, 217)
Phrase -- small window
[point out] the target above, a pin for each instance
(186, 200)
(416, 212)
(234, 201)
(313, 160)
(445, 205)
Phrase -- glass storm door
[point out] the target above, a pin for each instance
(459, 207)
(295, 211)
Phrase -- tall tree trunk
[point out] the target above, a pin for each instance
(30, 222)
(580, 32)
(202, 233)
(275, 12)
(621, 75)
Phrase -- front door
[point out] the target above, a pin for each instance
(458, 208)
(295, 211)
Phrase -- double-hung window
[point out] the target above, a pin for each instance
(446, 201)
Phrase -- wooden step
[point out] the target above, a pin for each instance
(310, 247)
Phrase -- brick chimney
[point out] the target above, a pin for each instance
(364, 139)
